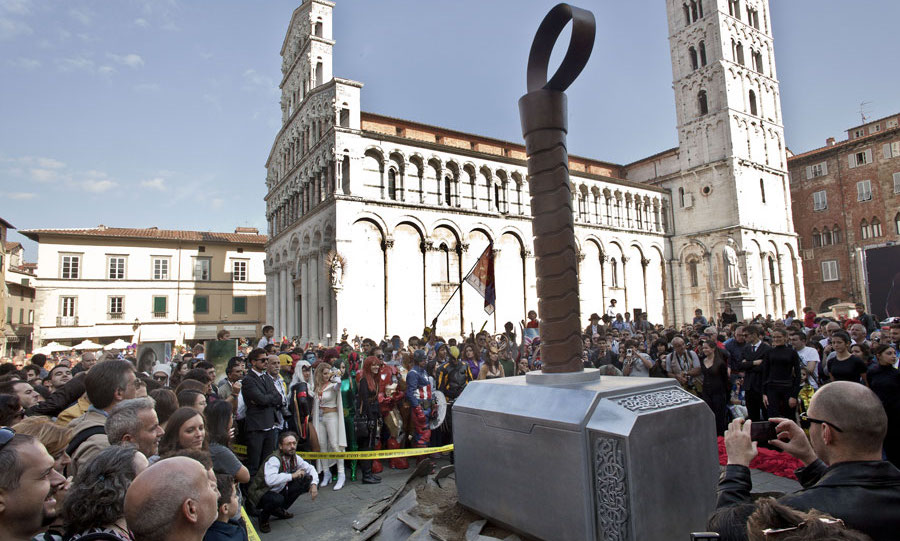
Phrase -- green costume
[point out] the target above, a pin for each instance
(348, 398)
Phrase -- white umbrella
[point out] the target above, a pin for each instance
(52, 347)
(118, 344)
(88, 345)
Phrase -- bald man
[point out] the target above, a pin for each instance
(172, 500)
(844, 475)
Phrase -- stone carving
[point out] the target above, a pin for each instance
(732, 270)
(656, 400)
(335, 264)
(611, 489)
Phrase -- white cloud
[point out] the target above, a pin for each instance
(256, 81)
(81, 16)
(25, 63)
(50, 163)
(20, 196)
(43, 175)
(16, 7)
(143, 23)
(98, 186)
(11, 29)
(131, 60)
(105, 70)
(170, 27)
(157, 183)
(78, 63)
(217, 204)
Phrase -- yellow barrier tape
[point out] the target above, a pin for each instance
(251, 531)
(364, 455)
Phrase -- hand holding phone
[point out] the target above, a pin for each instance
(763, 431)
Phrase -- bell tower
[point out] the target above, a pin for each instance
(306, 54)
(732, 180)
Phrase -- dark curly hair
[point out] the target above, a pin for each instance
(97, 496)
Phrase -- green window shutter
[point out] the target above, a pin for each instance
(239, 305)
(201, 304)
(159, 304)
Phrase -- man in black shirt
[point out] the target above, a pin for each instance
(751, 366)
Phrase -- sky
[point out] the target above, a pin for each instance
(140, 113)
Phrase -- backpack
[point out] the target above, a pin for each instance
(82, 437)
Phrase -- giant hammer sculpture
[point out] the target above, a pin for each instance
(563, 454)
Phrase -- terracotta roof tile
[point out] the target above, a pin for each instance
(10, 246)
(151, 234)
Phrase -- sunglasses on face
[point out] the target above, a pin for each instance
(804, 418)
(160, 378)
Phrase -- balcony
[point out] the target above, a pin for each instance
(160, 315)
(115, 315)
(67, 321)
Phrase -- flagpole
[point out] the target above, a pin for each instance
(450, 298)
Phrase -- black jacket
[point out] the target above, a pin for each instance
(753, 375)
(262, 400)
(862, 494)
(61, 398)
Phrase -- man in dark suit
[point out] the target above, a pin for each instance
(754, 355)
(262, 400)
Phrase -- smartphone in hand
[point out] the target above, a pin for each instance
(763, 431)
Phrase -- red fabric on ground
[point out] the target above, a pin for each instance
(768, 460)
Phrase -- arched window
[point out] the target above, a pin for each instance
(758, 60)
(700, 8)
(876, 228)
(739, 57)
(608, 211)
(836, 234)
(319, 74)
(694, 14)
(692, 273)
(681, 196)
(826, 237)
(638, 211)
(615, 272)
(448, 194)
(392, 184)
(497, 197)
(687, 14)
(445, 262)
(733, 50)
(816, 238)
(692, 53)
(618, 212)
(702, 48)
(773, 277)
(864, 229)
(762, 190)
(701, 103)
(318, 29)
(753, 103)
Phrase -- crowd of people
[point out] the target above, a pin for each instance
(92, 441)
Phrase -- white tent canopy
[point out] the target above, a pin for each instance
(88, 345)
(118, 344)
(52, 347)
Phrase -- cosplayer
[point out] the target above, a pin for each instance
(390, 396)
(302, 402)
(349, 390)
(328, 418)
(419, 392)
(452, 378)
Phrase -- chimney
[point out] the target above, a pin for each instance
(102, 227)
(829, 142)
(247, 230)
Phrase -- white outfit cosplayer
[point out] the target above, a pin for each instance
(330, 426)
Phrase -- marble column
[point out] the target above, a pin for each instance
(625, 305)
(283, 297)
(327, 293)
(270, 298)
(274, 300)
(315, 333)
(304, 302)
(289, 303)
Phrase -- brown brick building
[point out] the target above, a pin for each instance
(846, 202)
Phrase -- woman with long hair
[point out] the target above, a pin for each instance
(862, 351)
(328, 417)
(190, 398)
(491, 369)
(165, 404)
(368, 411)
(716, 384)
(186, 429)
(220, 429)
(301, 403)
(843, 365)
(470, 357)
(96, 501)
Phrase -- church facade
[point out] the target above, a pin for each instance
(375, 221)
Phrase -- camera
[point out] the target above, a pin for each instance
(629, 352)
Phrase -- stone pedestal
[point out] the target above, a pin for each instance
(742, 302)
(576, 457)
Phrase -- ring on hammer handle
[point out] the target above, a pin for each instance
(580, 46)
